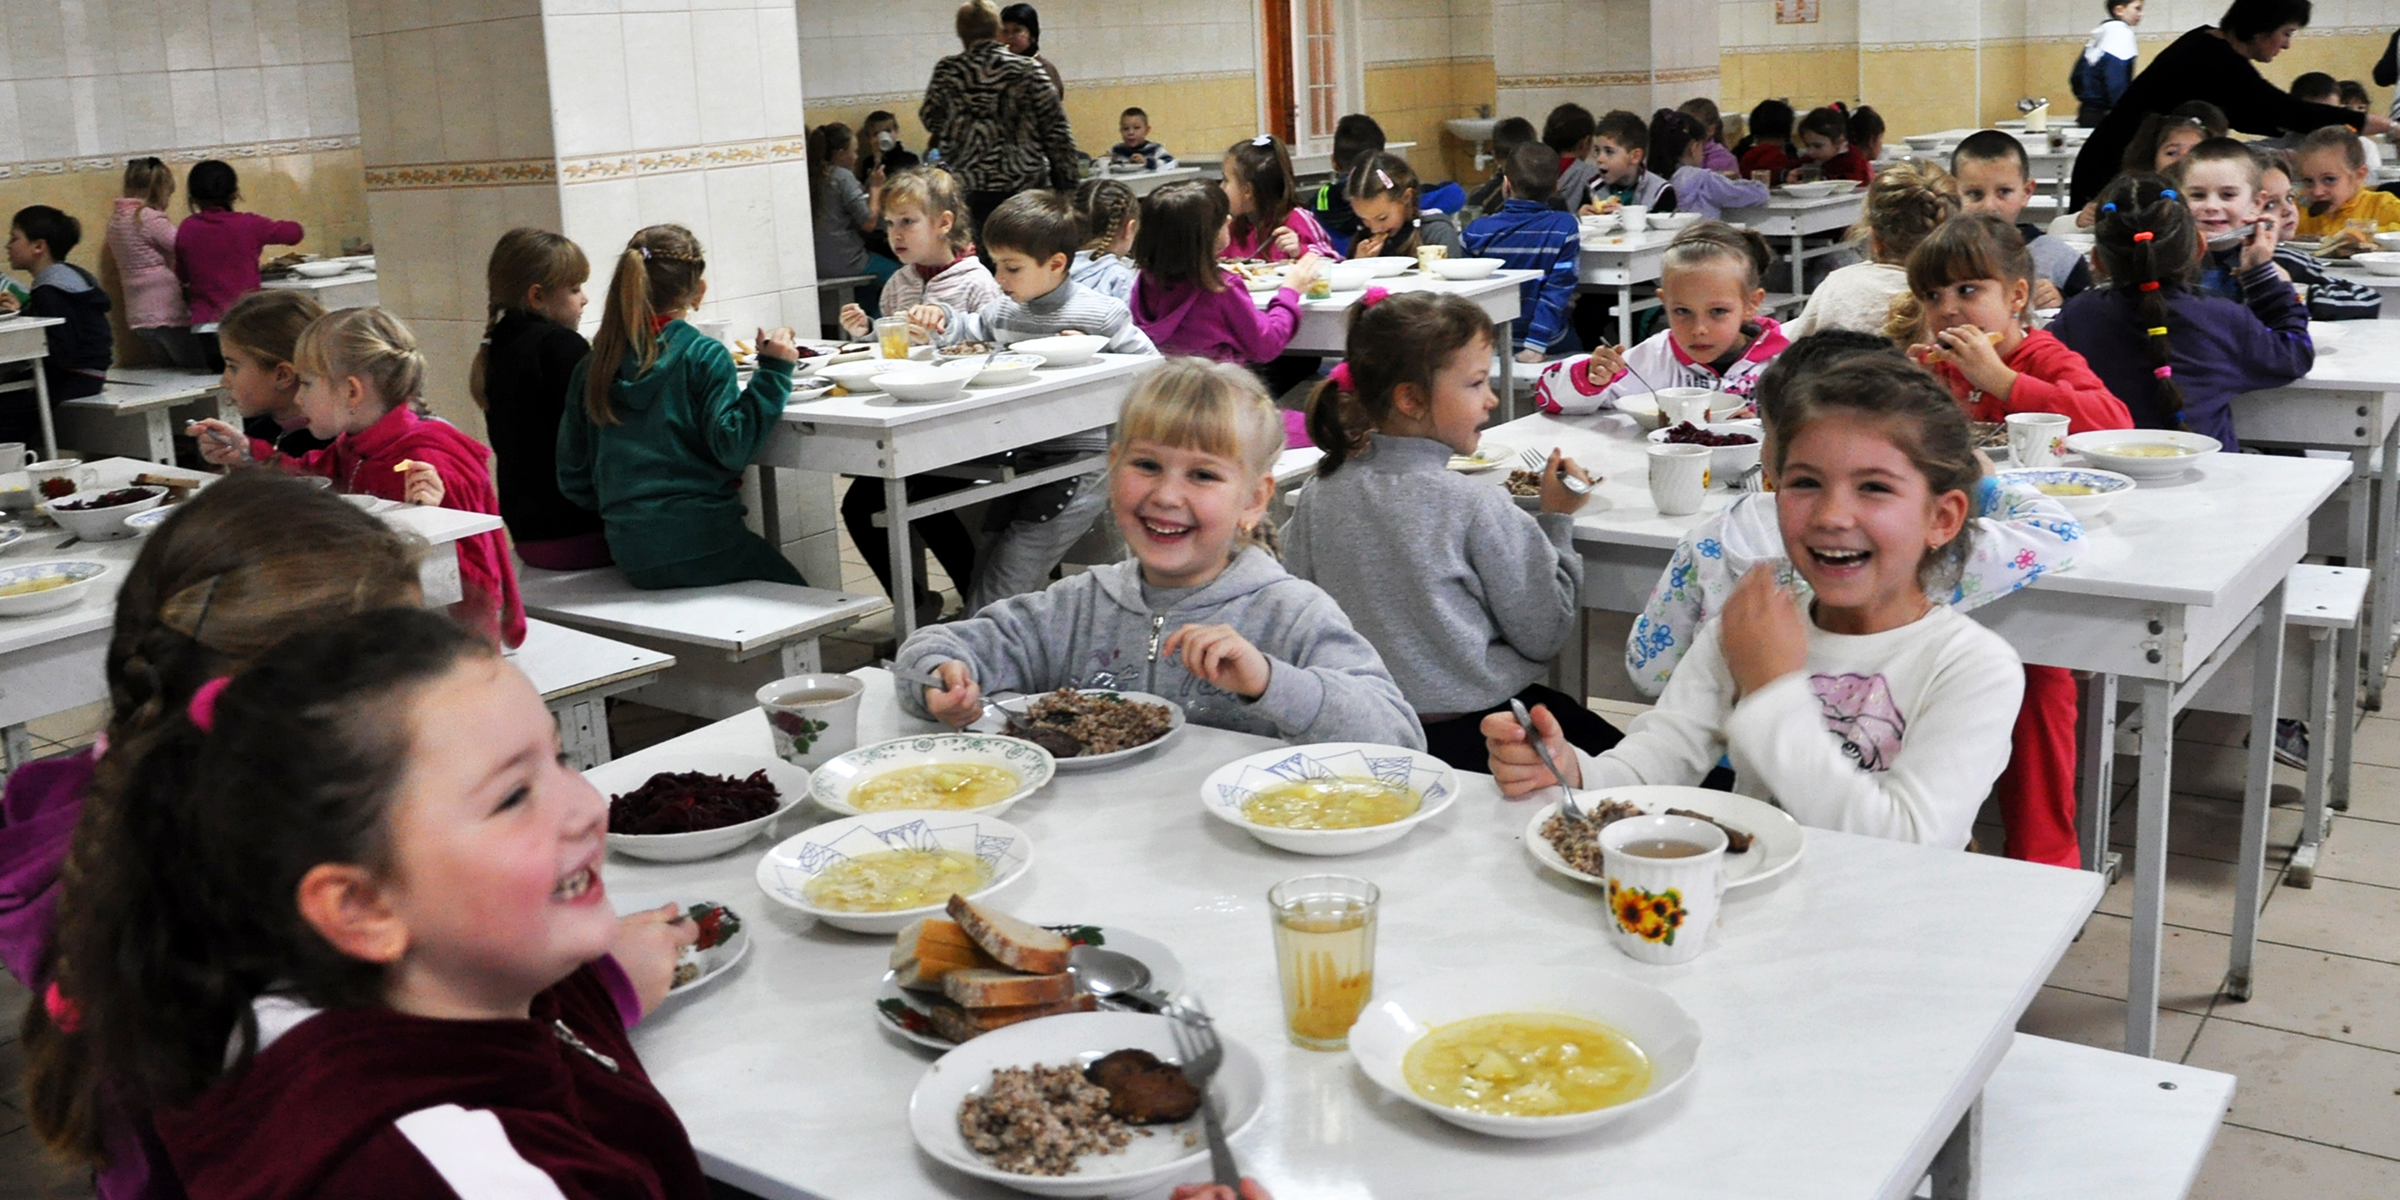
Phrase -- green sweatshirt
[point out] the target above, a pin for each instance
(667, 479)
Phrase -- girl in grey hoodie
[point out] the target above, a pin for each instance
(1202, 614)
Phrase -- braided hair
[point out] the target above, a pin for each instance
(2146, 242)
(658, 271)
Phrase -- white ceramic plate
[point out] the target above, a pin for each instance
(805, 392)
(1643, 408)
(1005, 369)
(1065, 350)
(1432, 779)
(915, 384)
(614, 779)
(79, 574)
(841, 774)
(1462, 269)
(2096, 447)
(1778, 841)
(146, 520)
(1644, 1014)
(858, 374)
(1171, 1154)
(2106, 485)
(791, 865)
(906, 1013)
(1385, 266)
(1488, 454)
(717, 959)
(10, 535)
(991, 722)
(102, 524)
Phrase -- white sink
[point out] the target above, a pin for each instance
(1471, 129)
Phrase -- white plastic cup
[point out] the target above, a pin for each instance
(1678, 477)
(2037, 439)
(1662, 910)
(1633, 218)
(13, 456)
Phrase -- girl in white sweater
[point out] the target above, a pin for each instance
(1876, 711)
(926, 218)
(1904, 204)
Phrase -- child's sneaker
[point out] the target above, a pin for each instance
(2291, 743)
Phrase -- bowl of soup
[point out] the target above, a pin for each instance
(2143, 454)
(2081, 490)
(1330, 798)
(1527, 1052)
(876, 872)
(983, 773)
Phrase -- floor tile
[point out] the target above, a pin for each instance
(2088, 1020)
(29, 1172)
(2361, 852)
(2357, 919)
(2374, 792)
(2204, 769)
(2299, 1086)
(2331, 996)
(2246, 1164)
(2378, 742)
(2208, 827)
(2199, 893)
(2214, 728)
(2191, 964)
(71, 724)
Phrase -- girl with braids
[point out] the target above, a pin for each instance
(2177, 358)
(656, 435)
(337, 924)
(1383, 195)
(1105, 262)
(534, 284)
(1466, 596)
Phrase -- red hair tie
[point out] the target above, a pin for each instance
(1373, 296)
(1340, 375)
(2144, 235)
(2164, 372)
(2151, 286)
(63, 1012)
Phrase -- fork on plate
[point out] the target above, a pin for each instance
(1537, 462)
(1202, 1052)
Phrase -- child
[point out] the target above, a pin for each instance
(1506, 137)
(1679, 144)
(1528, 234)
(1770, 148)
(1714, 154)
(1200, 612)
(142, 238)
(1467, 597)
(1621, 150)
(1134, 147)
(216, 249)
(1356, 138)
(1825, 143)
(1032, 238)
(259, 338)
(1995, 177)
(1186, 303)
(1973, 280)
(39, 239)
(363, 891)
(1568, 131)
(521, 379)
(1383, 192)
(879, 145)
(1905, 203)
(2105, 68)
(2218, 180)
(926, 215)
(656, 444)
(1866, 134)
(1105, 208)
(2333, 174)
(845, 211)
(1267, 221)
(2175, 357)
(2020, 535)
(1715, 336)
(360, 376)
(2164, 137)
(1873, 710)
(2330, 297)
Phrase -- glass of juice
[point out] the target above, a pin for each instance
(1325, 954)
(1427, 255)
(892, 334)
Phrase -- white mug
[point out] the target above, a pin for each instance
(13, 456)
(812, 718)
(2037, 439)
(1662, 909)
(1680, 404)
(1678, 477)
(1633, 218)
(56, 477)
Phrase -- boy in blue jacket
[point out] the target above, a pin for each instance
(39, 239)
(1527, 234)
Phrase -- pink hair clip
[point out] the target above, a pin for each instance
(1373, 296)
(63, 1012)
(2164, 372)
(1340, 375)
(1383, 179)
(203, 707)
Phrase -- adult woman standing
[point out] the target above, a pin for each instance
(2105, 69)
(1021, 32)
(2219, 64)
(995, 117)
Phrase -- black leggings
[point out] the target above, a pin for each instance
(1459, 740)
(944, 533)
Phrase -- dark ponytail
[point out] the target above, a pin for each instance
(2146, 241)
(1395, 340)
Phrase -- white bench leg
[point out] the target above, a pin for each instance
(41, 404)
(2346, 690)
(162, 438)
(583, 732)
(2303, 871)
(16, 743)
(1954, 1175)
(2250, 866)
(803, 656)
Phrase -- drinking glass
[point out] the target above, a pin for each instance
(1325, 954)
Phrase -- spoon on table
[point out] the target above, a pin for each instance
(1110, 976)
(1566, 795)
(1058, 742)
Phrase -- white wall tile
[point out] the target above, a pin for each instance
(590, 102)
(462, 91)
(400, 16)
(286, 94)
(83, 106)
(37, 41)
(780, 71)
(149, 111)
(682, 199)
(12, 135)
(332, 99)
(795, 246)
(412, 110)
(279, 33)
(241, 104)
(520, 97)
(601, 217)
(741, 212)
(195, 97)
(725, 53)
(85, 38)
(232, 33)
(658, 54)
(323, 30)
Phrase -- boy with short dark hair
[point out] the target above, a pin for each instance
(1355, 138)
(1995, 177)
(1526, 233)
(1825, 142)
(1621, 149)
(1568, 131)
(1134, 147)
(1506, 137)
(39, 239)
(1770, 141)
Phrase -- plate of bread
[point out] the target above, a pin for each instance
(958, 977)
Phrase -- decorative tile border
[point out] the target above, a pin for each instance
(407, 177)
(1607, 78)
(184, 157)
(591, 168)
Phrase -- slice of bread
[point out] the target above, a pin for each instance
(1027, 947)
(931, 948)
(965, 1024)
(975, 988)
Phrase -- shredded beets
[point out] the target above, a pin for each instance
(1688, 434)
(690, 801)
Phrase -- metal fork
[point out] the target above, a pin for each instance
(1537, 462)
(1196, 1043)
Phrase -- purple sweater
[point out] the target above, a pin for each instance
(2218, 348)
(1222, 326)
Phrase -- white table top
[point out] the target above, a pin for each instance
(137, 389)
(790, 1088)
(2364, 356)
(306, 284)
(877, 410)
(1325, 323)
(736, 617)
(2180, 542)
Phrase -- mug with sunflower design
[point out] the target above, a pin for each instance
(1665, 880)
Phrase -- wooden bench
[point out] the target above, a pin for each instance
(576, 673)
(2066, 1122)
(102, 425)
(728, 640)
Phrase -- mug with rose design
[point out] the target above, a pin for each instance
(2037, 439)
(1665, 879)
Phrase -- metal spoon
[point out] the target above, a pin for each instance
(1119, 978)
(1566, 795)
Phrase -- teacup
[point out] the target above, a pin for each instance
(1678, 477)
(2037, 439)
(812, 717)
(55, 477)
(1680, 404)
(1665, 878)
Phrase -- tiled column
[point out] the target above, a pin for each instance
(594, 118)
(1638, 55)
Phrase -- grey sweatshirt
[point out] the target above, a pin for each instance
(1325, 683)
(1467, 596)
(1068, 308)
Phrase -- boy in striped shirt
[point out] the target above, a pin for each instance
(1527, 234)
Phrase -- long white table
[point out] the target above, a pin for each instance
(1797, 220)
(24, 339)
(1850, 1015)
(1620, 263)
(2166, 587)
(1325, 323)
(55, 661)
(150, 394)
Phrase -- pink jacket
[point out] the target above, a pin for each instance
(143, 240)
(217, 252)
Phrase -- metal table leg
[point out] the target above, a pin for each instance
(2381, 596)
(2149, 867)
(41, 404)
(1954, 1176)
(904, 575)
(1799, 264)
(1625, 315)
(2096, 790)
(2250, 867)
(2303, 869)
(1508, 369)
